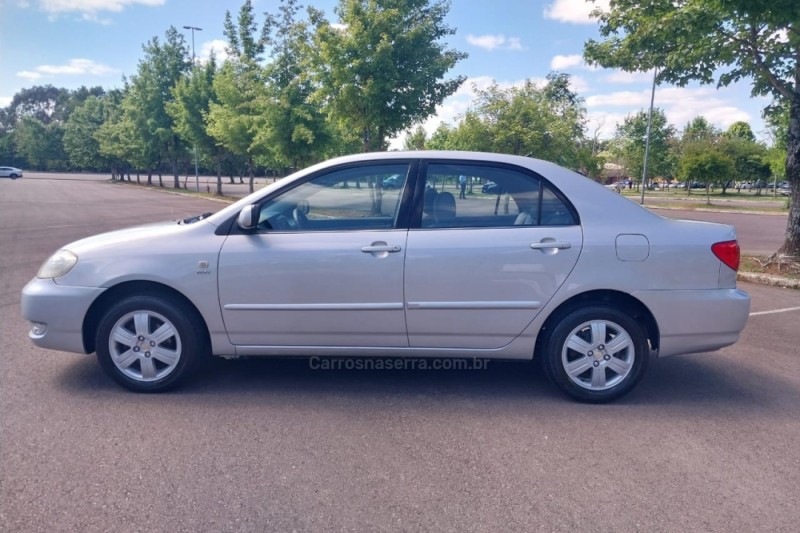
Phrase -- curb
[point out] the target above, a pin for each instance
(767, 279)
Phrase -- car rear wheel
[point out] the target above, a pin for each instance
(150, 344)
(596, 354)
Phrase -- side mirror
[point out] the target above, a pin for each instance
(248, 217)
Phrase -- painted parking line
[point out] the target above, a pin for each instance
(786, 310)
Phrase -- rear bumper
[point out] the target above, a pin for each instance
(697, 320)
(56, 313)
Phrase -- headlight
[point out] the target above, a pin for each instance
(58, 265)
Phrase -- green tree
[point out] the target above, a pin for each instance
(80, 142)
(238, 119)
(720, 41)
(415, 140)
(41, 144)
(382, 69)
(193, 96)
(749, 160)
(147, 99)
(544, 122)
(297, 132)
(740, 130)
(705, 163)
(699, 129)
(631, 137)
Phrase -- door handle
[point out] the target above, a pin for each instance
(381, 248)
(551, 245)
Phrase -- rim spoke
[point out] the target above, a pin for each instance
(124, 337)
(619, 366)
(578, 367)
(579, 345)
(168, 357)
(148, 368)
(598, 377)
(163, 333)
(619, 343)
(598, 332)
(141, 323)
(126, 358)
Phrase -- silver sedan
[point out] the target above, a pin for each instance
(330, 263)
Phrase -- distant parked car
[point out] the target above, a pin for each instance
(783, 189)
(392, 182)
(10, 172)
(568, 272)
(491, 187)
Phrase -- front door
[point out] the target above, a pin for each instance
(325, 267)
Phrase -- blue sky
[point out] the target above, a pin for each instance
(69, 43)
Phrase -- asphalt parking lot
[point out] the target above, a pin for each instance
(707, 442)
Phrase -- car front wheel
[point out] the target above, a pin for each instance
(150, 344)
(596, 354)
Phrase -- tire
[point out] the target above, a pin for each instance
(151, 344)
(596, 354)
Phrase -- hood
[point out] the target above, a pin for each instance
(127, 237)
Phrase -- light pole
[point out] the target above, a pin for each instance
(196, 176)
(647, 138)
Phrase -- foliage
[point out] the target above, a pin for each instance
(382, 68)
(544, 122)
(630, 140)
(297, 133)
(720, 41)
(748, 157)
(147, 99)
(704, 163)
(80, 144)
(740, 130)
(40, 143)
(416, 139)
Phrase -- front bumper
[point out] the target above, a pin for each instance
(692, 321)
(56, 313)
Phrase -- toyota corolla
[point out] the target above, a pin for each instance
(329, 262)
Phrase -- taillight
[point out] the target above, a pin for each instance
(728, 253)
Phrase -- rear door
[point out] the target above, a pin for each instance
(479, 269)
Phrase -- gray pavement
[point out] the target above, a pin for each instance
(707, 442)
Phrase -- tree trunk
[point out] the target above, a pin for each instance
(251, 177)
(791, 245)
(149, 177)
(176, 174)
(219, 178)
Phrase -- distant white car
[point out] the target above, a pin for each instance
(10, 172)
(326, 262)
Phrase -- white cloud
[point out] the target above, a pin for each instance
(622, 77)
(93, 6)
(492, 42)
(560, 62)
(680, 104)
(218, 46)
(82, 67)
(578, 84)
(28, 75)
(5, 100)
(574, 11)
